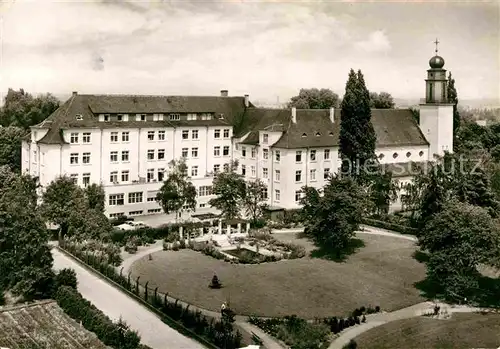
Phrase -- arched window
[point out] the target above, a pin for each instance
(381, 156)
(408, 154)
(421, 154)
(395, 155)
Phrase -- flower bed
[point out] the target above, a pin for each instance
(101, 250)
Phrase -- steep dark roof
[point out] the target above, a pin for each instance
(259, 119)
(89, 106)
(313, 128)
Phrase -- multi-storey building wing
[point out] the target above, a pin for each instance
(126, 143)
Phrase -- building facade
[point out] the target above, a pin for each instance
(125, 143)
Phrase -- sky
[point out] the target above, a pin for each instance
(268, 50)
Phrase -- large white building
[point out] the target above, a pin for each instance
(126, 142)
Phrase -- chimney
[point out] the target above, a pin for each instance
(332, 114)
(75, 93)
(224, 93)
(294, 115)
(247, 101)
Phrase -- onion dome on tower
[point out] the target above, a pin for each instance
(436, 82)
(436, 62)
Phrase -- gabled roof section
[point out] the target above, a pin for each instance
(313, 127)
(227, 111)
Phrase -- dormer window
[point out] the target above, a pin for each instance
(106, 117)
(174, 117)
(331, 134)
(304, 135)
(119, 117)
(79, 117)
(318, 134)
(221, 116)
(143, 117)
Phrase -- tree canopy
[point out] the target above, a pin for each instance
(453, 98)
(357, 136)
(313, 98)
(10, 147)
(25, 258)
(230, 189)
(382, 100)
(459, 239)
(177, 190)
(332, 218)
(22, 110)
(254, 201)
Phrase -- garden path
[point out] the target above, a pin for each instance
(116, 304)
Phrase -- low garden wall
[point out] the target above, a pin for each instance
(190, 323)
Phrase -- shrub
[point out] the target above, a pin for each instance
(351, 345)
(398, 227)
(95, 321)
(215, 283)
(66, 277)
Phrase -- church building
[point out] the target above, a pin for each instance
(125, 143)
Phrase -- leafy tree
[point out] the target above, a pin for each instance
(230, 188)
(310, 202)
(62, 202)
(455, 176)
(21, 109)
(177, 191)
(95, 197)
(383, 191)
(314, 98)
(25, 258)
(453, 98)
(254, 200)
(10, 147)
(337, 215)
(66, 277)
(382, 100)
(459, 238)
(357, 135)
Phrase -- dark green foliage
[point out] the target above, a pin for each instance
(253, 199)
(315, 99)
(382, 100)
(351, 345)
(115, 335)
(215, 283)
(357, 135)
(459, 239)
(66, 277)
(177, 191)
(10, 147)
(453, 98)
(230, 188)
(95, 197)
(21, 109)
(333, 218)
(25, 258)
(383, 191)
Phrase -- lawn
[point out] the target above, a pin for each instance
(466, 330)
(43, 326)
(380, 273)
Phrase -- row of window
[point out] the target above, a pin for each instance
(277, 154)
(74, 158)
(395, 155)
(85, 178)
(138, 197)
(298, 174)
(194, 134)
(156, 117)
(74, 137)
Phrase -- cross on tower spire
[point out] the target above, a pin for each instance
(436, 42)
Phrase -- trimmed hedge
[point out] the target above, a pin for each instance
(94, 320)
(214, 334)
(403, 229)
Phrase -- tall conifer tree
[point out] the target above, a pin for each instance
(453, 98)
(357, 135)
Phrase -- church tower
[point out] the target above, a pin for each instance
(436, 114)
